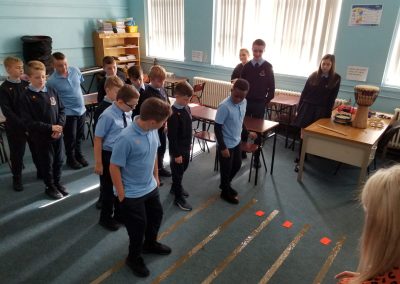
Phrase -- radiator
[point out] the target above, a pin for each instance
(395, 142)
(215, 91)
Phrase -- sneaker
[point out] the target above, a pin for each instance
(233, 192)
(52, 191)
(109, 224)
(82, 161)
(73, 164)
(156, 248)
(138, 267)
(17, 183)
(183, 204)
(61, 189)
(164, 173)
(230, 198)
(184, 192)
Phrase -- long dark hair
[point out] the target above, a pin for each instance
(316, 76)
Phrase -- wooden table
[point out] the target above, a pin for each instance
(284, 104)
(352, 146)
(90, 103)
(170, 83)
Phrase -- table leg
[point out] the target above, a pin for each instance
(273, 154)
(302, 156)
(363, 170)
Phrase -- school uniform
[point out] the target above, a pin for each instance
(70, 93)
(11, 96)
(135, 152)
(228, 129)
(110, 124)
(237, 71)
(180, 140)
(101, 107)
(160, 93)
(262, 86)
(101, 91)
(40, 110)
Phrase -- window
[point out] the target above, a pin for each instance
(165, 29)
(392, 72)
(297, 32)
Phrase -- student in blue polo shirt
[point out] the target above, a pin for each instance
(109, 126)
(134, 172)
(228, 130)
(67, 81)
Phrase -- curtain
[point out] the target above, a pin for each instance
(165, 22)
(297, 32)
(392, 71)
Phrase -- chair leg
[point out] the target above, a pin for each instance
(191, 154)
(251, 166)
(263, 158)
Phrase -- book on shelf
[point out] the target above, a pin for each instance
(125, 57)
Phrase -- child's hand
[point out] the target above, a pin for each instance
(56, 128)
(253, 135)
(179, 160)
(225, 153)
(98, 169)
(55, 135)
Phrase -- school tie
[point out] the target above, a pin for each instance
(256, 65)
(124, 118)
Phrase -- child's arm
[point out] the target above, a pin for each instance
(98, 145)
(155, 171)
(172, 134)
(116, 178)
(5, 104)
(61, 112)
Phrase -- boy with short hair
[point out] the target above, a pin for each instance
(135, 75)
(111, 122)
(67, 81)
(155, 89)
(43, 114)
(11, 94)
(134, 173)
(110, 69)
(180, 141)
(228, 130)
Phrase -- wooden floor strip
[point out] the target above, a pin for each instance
(325, 268)
(268, 275)
(239, 248)
(201, 244)
(168, 231)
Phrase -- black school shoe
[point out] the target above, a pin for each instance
(61, 189)
(17, 183)
(229, 197)
(184, 192)
(74, 164)
(82, 161)
(183, 204)
(138, 267)
(109, 224)
(53, 192)
(156, 248)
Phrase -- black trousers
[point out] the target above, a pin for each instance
(161, 150)
(51, 158)
(142, 217)
(73, 135)
(177, 171)
(17, 142)
(110, 202)
(229, 166)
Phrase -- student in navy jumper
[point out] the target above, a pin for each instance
(135, 75)
(155, 89)
(134, 173)
(11, 95)
(110, 69)
(180, 141)
(111, 122)
(43, 113)
(244, 56)
(228, 130)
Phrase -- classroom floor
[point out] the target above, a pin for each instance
(46, 241)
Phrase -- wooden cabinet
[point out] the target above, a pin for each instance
(124, 47)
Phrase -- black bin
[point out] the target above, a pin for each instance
(38, 48)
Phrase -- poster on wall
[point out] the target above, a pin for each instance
(357, 73)
(365, 15)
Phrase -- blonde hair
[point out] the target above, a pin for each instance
(11, 60)
(113, 81)
(380, 240)
(245, 50)
(157, 71)
(34, 65)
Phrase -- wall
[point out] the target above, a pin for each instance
(360, 46)
(70, 23)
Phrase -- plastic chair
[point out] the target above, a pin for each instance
(252, 149)
(387, 136)
(198, 91)
(205, 136)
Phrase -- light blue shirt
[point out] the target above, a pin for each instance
(69, 90)
(135, 152)
(260, 62)
(231, 117)
(36, 90)
(110, 125)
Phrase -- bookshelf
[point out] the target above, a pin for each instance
(124, 47)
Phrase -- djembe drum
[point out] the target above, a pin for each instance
(365, 96)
